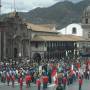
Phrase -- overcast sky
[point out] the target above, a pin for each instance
(26, 5)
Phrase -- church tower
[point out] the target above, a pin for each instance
(86, 16)
(86, 23)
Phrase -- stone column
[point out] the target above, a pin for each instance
(0, 45)
(12, 49)
(30, 54)
(21, 48)
(4, 49)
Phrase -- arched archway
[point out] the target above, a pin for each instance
(37, 57)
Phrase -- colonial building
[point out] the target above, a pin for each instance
(22, 39)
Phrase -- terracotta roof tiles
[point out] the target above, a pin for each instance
(57, 38)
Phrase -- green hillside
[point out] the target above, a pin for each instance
(61, 14)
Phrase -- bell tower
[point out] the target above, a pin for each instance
(86, 16)
(86, 23)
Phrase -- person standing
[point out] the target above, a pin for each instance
(21, 82)
(28, 80)
(8, 78)
(38, 83)
(80, 83)
(64, 82)
(45, 82)
(13, 79)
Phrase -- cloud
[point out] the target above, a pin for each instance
(26, 5)
(75, 1)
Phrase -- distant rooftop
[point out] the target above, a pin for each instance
(41, 28)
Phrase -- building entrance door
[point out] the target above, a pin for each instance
(37, 57)
(15, 52)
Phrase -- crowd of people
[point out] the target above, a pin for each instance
(59, 73)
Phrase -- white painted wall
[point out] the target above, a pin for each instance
(68, 30)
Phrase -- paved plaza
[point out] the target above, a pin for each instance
(74, 86)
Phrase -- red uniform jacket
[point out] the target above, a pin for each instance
(45, 79)
(13, 77)
(80, 81)
(8, 77)
(38, 82)
(21, 81)
(28, 78)
(64, 80)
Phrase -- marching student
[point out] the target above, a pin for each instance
(8, 78)
(45, 82)
(38, 83)
(80, 83)
(64, 82)
(13, 79)
(21, 82)
(28, 80)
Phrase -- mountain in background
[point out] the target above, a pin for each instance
(60, 14)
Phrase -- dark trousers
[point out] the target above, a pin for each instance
(44, 86)
(29, 82)
(79, 86)
(38, 87)
(8, 81)
(64, 86)
(12, 83)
